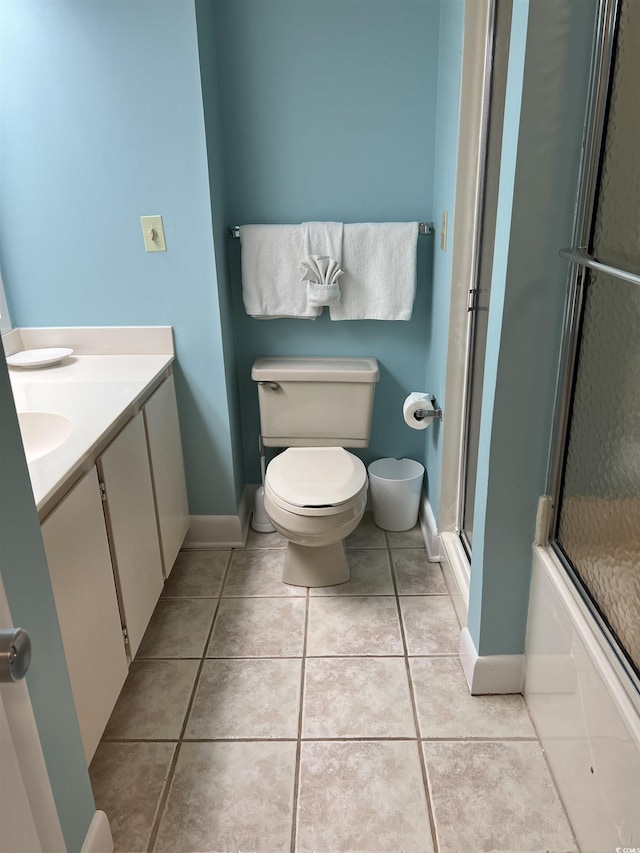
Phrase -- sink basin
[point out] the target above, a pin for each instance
(43, 432)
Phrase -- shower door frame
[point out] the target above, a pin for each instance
(593, 140)
(473, 296)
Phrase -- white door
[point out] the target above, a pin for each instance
(77, 549)
(133, 529)
(167, 469)
(28, 817)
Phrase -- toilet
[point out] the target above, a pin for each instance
(315, 490)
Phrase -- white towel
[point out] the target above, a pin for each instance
(320, 269)
(271, 287)
(323, 294)
(323, 238)
(321, 274)
(379, 263)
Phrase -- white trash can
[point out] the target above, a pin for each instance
(395, 492)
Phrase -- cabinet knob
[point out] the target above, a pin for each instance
(15, 654)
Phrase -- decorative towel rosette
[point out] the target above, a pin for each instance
(321, 274)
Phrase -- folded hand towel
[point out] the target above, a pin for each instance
(322, 238)
(320, 269)
(379, 262)
(271, 256)
(323, 294)
(321, 274)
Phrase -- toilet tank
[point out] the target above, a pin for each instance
(315, 402)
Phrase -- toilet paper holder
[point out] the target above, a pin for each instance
(422, 414)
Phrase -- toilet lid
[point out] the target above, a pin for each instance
(316, 476)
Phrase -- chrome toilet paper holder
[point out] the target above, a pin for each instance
(423, 414)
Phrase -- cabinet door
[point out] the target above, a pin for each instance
(75, 541)
(133, 532)
(167, 468)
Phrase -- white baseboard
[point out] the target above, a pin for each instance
(490, 673)
(98, 838)
(221, 531)
(429, 530)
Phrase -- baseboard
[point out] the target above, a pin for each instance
(98, 838)
(221, 531)
(490, 673)
(429, 530)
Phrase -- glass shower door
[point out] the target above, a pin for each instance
(598, 522)
(478, 306)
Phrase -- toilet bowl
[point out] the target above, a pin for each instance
(315, 497)
(315, 491)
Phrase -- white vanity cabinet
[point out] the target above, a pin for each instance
(110, 542)
(167, 470)
(133, 532)
(75, 541)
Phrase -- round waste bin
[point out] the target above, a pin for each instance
(395, 492)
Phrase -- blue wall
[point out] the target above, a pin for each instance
(25, 575)
(102, 121)
(544, 118)
(328, 112)
(86, 141)
(210, 98)
(446, 153)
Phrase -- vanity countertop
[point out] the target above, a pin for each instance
(99, 394)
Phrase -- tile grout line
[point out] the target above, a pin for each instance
(321, 597)
(421, 758)
(296, 779)
(437, 656)
(327, 739)
(380, 595)
(164, 798)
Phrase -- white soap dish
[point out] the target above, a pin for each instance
(31, 358)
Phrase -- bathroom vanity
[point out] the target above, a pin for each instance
(112, 505)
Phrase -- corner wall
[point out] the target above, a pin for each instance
(211, 104)
(544, 118)
(328, 112)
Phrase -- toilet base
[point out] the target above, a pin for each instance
(326, 565)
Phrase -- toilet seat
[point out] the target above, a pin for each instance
(315, 478)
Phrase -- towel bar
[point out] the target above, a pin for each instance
(583, 259)
(423, 228)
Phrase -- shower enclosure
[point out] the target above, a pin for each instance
(595, 480)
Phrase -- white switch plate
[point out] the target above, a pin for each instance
(443, 230)
(153, 233)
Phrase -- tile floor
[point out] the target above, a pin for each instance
(259, 717)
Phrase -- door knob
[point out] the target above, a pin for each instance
(15, 654)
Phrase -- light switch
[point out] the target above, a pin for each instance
(443, 230)
(153, 234)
